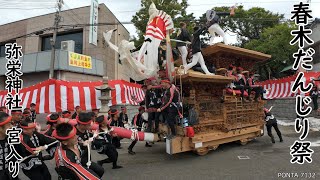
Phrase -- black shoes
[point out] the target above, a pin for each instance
(148, 145)
(104, 161)
(100, 163)
(273, 141)
(107, 161)
(131, 152)
(117, 167)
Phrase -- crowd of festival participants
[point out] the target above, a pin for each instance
(69, 138)
(72, 136)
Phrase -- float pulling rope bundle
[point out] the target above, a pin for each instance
(37, 152)
(134, 135)
(89, 149)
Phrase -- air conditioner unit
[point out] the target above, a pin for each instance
(67, 45)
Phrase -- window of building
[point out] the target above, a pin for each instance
(3, 48)
(77, 37)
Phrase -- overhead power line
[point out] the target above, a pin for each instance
(245, 2)
(17, 8)
(197, 20)
(41, 31)
(26, 1)
(28, 5)
(221, 4)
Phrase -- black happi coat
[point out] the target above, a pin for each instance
(196, 42)
(117, 123)
(83, 137)
(123, 117)
(33, 115)
(168, 102)
(183, 36)
(49, 131)
(74, 115)
(153, 98)
(216, 18)
(67, 160)
(240, 80)
(101, 140)
(138, 120)
(29, 143)
(4, 165)
(314, 92)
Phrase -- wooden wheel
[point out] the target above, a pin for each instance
(213, 147)
(202, 151)
(244, 141)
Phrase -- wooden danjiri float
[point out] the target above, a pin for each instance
(215, 116)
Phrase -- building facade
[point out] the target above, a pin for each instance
(34, 35)
(315, 36)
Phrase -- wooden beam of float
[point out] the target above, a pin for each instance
(200, 77)
(246, 53)
(222, 55)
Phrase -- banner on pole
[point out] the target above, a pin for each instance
(93, 32)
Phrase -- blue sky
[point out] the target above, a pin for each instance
(13, 10)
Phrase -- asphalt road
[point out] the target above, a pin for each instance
(260, 159)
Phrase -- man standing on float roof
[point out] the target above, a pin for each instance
(213, 21)
(183, 35)
(196, 52)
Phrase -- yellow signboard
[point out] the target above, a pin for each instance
(80, 60)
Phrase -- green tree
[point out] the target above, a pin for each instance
(176, 9)
(274, 41)
(248, 24)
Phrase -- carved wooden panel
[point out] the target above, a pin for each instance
(224, 60)
(216, 115)
(209, 128)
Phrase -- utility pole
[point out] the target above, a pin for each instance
(53, 40)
